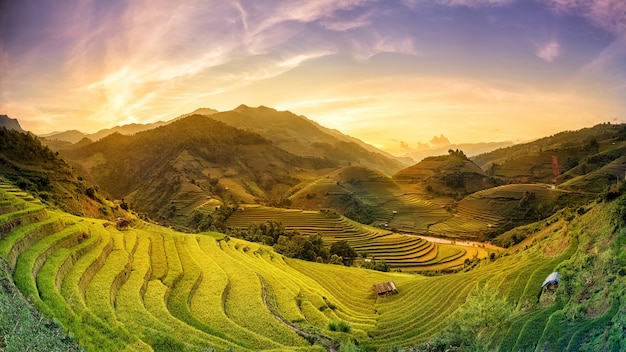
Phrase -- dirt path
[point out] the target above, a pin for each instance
(325, 341)
(460, 242)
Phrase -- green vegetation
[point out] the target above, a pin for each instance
(33, 167)
(398, 251)
(22, 327)
(151, 288)
(452, 175)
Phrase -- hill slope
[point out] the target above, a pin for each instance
(171, 170)
(369, 197)
(148, 288)
(564, 156)
(446, 175)
(303, 137)
(34, 167)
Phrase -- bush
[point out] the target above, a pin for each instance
(340, 326)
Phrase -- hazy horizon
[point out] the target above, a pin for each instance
(393, 74)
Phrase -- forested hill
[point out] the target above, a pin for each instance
(192, 159)
(303, 137)
(33, 167)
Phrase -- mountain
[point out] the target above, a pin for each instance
(10, 124)
(71, 136)
(193, 162)
(149, 288)
(74, 136)
(303, 137)
(199, 111)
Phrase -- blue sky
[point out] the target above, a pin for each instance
(383, 71)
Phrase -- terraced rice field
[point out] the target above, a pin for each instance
(405, 252)
(152, 289)
(491, 208)
(393, 205)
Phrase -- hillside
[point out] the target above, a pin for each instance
(369, 197)
(403, 252)
(485, 214)
(169, 171)
(34, 167)
(591, 153)
(303, 137)
(148, 288)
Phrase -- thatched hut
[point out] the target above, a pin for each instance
(385, 289)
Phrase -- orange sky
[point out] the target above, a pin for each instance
(385, 72)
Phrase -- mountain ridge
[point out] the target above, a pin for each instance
(10, 124)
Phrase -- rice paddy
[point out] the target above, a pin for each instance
(402, 251)
(149, 288)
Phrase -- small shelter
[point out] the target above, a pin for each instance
(552, 281)
(122, 223)
(385, 289)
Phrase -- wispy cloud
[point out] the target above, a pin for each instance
(341, 24)
(549, 51)
(459, 3)
(609, 15)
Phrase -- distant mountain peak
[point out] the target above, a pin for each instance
(244, 108)
(10, 124)
(203, 111)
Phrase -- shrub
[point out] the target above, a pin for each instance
(340, 326)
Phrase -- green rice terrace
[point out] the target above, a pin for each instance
(401, 251)
(390, 203)
(149, 288)
(494, 207)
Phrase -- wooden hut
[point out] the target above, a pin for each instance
(385, 289)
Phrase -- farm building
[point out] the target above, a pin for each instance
(552, 281)
(385, 289)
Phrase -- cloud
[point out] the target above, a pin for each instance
(475, 3)
(297, 60)
(341, 24)
(460, 3)
(609, 15)
(261, 16)
(549, 51)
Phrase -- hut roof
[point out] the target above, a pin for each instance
(385, 288)
(555, 278)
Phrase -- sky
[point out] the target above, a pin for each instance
(393, 73)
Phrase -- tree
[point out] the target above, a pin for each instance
(343, 249)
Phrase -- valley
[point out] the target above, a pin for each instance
(150, 288)
(467, 242)
(313, 176)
